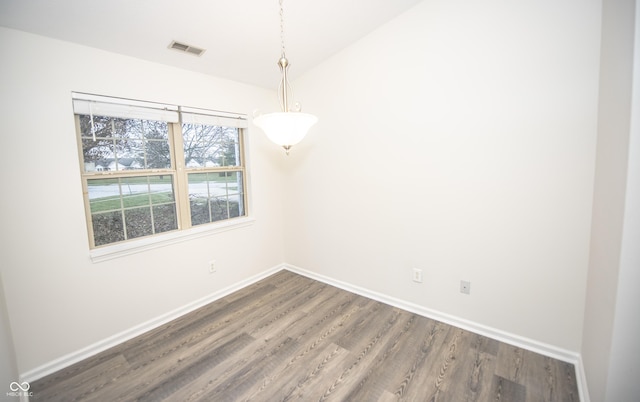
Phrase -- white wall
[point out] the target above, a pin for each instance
(459, 139)
(58, 300)
(610, 349)
(8, 364)
(609, 193)
(624, 363)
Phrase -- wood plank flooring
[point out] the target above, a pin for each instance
(289, 337)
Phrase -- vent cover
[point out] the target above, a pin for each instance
(186, 48)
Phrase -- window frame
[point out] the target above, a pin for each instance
(181, 164)
(180, 176)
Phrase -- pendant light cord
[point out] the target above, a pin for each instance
(282, 27)
(285, 91)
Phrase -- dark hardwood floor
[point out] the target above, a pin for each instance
(289, 337)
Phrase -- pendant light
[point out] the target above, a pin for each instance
(288, 127)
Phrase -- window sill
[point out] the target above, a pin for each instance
(149, 243)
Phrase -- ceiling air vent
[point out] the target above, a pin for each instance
(186, 48)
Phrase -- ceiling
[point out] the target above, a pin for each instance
(241, 37)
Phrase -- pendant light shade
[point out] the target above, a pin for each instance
(285, 128)
(288, 127)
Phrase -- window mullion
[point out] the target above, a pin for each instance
(182, 185)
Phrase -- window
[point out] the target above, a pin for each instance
(151, 168)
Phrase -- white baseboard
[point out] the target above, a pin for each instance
(506, 337)
(581, 378)
(91, 350)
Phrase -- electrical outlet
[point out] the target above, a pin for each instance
(465, 287)
(212, 266)
(417, 275)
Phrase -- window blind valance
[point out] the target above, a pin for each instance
(200, 116)
(96, 105)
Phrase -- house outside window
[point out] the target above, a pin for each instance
(150, 168)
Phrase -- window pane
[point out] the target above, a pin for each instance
(107, 227)
(104, 195)
(210, 146)
(164, 218)
(147, 204)
(138, 222)
(124, 144)
(215, 196)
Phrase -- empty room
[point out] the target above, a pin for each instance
(320, 200)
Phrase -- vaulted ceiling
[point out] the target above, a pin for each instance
(241, 37)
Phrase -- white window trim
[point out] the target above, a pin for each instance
(161, 240)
